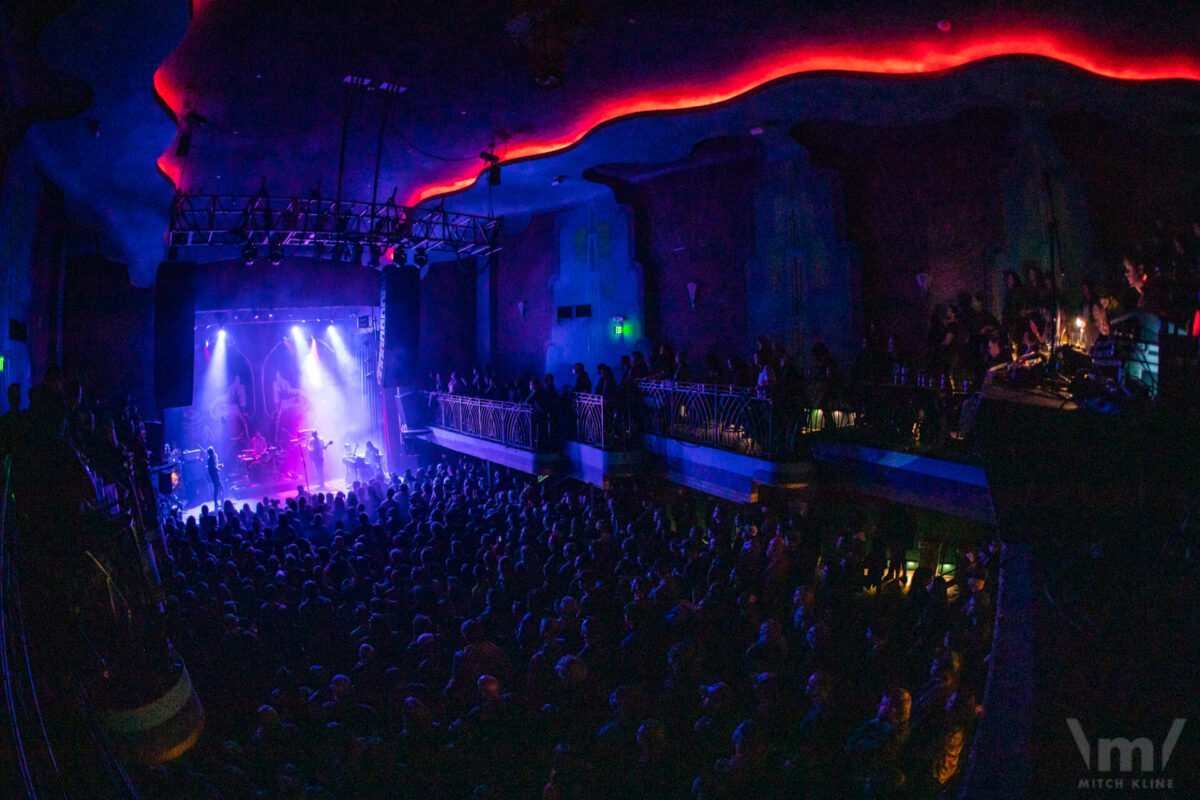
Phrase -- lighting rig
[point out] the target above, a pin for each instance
(314, 226)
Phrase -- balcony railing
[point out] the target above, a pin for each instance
(920, 416)
(511, 424)
(727, 418)
(923, 414)
(602, 422)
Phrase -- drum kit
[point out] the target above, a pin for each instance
(260, 467)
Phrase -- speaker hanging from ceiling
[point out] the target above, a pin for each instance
(174, 333)
(399, 324)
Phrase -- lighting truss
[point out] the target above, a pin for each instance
(318, 225)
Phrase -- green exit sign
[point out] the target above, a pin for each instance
(1, 363)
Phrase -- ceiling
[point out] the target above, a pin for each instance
(233, 97)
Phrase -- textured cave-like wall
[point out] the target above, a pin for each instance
(925, 198)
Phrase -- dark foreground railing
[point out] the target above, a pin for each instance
(511, 424)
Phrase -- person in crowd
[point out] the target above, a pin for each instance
(662, 363)
(458, 385)
(583, 383)
(825, 383)
(639, 370)
(1134, 296)
(606, 382)
(767, 378)
(682, 372)
(877, 745)
(542, 399)
(626, 368)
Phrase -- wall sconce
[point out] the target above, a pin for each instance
(521, 308)
(691, 287)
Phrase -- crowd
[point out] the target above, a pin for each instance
(772, 369)
(451, 634)
(64, 446)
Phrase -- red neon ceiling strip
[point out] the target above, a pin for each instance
(904, 58)
(173, 100)
(899, 57)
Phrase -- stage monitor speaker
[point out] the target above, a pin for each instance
(399, 324)
(174, 333)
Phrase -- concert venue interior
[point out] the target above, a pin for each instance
(573, 399)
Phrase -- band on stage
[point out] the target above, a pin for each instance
(213, 472)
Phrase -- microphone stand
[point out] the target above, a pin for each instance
(304, 464)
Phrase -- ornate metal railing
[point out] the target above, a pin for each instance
(922, 414)
(728, 418)
(511, 424)
(917, 417)
(602, 421)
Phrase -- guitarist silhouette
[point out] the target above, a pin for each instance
(316, 451)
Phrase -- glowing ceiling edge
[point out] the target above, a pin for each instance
(914, 57)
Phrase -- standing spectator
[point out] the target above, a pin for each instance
(639, 370)
(606, 384)
(583, 383)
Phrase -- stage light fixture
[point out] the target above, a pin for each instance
(421, 258)
(275, 254)
(220, 334)
(249, 254)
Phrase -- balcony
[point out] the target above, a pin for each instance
(723, 440)
(902, 442)
(512, 434)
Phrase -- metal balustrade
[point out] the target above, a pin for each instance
(511, 424)
(902, 417)
(724, 417)
(602, 422)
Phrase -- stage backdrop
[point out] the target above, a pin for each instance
(281, 380)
